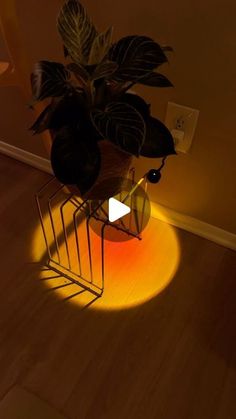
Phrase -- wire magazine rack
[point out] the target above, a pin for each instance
(66, 221)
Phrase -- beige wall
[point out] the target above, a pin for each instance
(201, 184)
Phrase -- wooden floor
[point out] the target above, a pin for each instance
(171, 358)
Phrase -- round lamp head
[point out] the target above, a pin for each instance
(154, 175)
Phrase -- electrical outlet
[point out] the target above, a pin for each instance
(182, 122)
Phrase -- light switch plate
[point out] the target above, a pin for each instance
(182, 118)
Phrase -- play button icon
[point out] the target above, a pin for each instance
(123, 214)
(117, 210)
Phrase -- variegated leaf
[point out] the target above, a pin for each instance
(76, 30)
(122, 125)
(80, 72)
(49, 79)
(167, 48)
(158, 141)
(136, 57)
(101, 46)
(155, 80)
(104, 70)
(42, 122)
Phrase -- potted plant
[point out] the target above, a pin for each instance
(97, 125)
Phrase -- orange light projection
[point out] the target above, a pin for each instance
(135, 271)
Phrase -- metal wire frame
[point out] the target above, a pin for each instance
(89, 212)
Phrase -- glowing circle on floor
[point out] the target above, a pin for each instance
(135, 271)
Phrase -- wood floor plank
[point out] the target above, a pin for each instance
(172, 357)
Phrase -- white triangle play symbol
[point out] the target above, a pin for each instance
(116, 209)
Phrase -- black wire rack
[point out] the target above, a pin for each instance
(66, 225)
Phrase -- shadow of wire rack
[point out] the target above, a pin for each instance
(65, 219)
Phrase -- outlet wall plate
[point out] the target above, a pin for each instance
(188, 117)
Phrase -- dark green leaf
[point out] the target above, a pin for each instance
(76, 30)
(75, 159)
(136, 102)
(104, 70)
(155, 80)
(69, 111)
(158, 141)
(116, 89)
(42, 122)
(136, 56)
(66, 53)
(80, 72)
(100, 46)
(49, 79)
(122, 125)
(167, 48)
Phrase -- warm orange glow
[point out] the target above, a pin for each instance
(135, 271)
(3, 67)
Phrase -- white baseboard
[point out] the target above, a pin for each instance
(185, 222)
(195, 226)
(25, 157)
